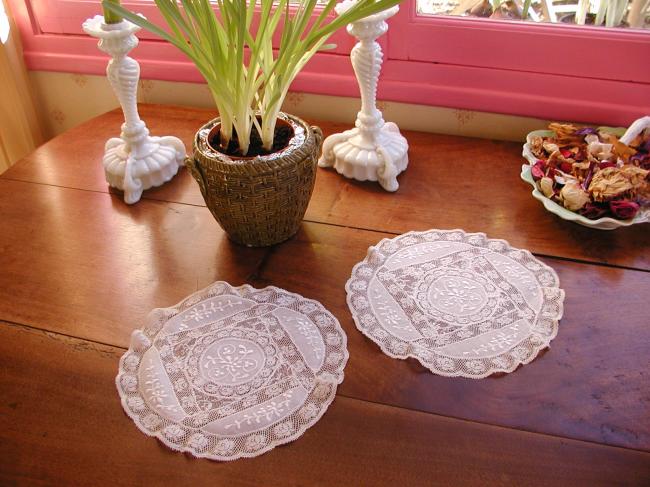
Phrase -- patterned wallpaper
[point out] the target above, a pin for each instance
(70, 99)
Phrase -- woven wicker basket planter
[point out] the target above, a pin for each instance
(260, 200)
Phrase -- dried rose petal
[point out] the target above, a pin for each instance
(639, 156)
(618, 148)
(562, 129)
(600, 150)
(593, 211)
(536, 146)
(538, 170)
(550, 147)
(581, 155)
(566, 153)
(566, 167)
(586, 131)
(606, 164)
(590, 174)
(643, 160)
(623, 209)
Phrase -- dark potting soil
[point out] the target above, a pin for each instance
(281, 138)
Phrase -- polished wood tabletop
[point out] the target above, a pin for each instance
(80, 269)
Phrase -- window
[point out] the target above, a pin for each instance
(4, 24)
(547, 70)
(610, 13)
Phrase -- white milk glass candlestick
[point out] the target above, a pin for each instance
(135, 161)
(374, 150)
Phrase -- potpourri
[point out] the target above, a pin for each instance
(591, 172)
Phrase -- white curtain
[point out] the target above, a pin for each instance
(20, 131)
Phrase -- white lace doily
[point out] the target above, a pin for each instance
(460, 303)
(232, 372)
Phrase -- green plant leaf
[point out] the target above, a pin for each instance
(236, 56)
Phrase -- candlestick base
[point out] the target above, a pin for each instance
(379, 158)
(156, 162)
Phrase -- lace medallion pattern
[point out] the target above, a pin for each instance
(232, 372)
(460, 303)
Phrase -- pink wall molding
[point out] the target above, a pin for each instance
(547, 71)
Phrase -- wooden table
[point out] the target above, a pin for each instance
(79, 270)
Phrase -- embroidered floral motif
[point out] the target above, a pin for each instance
(198, 442)
(308, 412)
(129, 383)
(173, 432)
(131, 362)
(151, 421)
(224, 447)
(282, 430)
(255, 442)
(136, 403)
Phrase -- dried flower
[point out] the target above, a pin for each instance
(623, 210)
(599, 150)
(609, 183)
(557, 159)
(564, 130)
(573, 196)
(550, 147)
(538, 170)
(546, 186)
(619, 148)
(537, 146)
(593, 211)
(586, 131)
(635, 175)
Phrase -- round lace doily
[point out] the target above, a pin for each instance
(460, 303)
(232, 372)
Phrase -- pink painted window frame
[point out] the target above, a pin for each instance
(574, 73)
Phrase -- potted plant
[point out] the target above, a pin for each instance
(255, 165)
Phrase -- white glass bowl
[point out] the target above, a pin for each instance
(605, 223)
